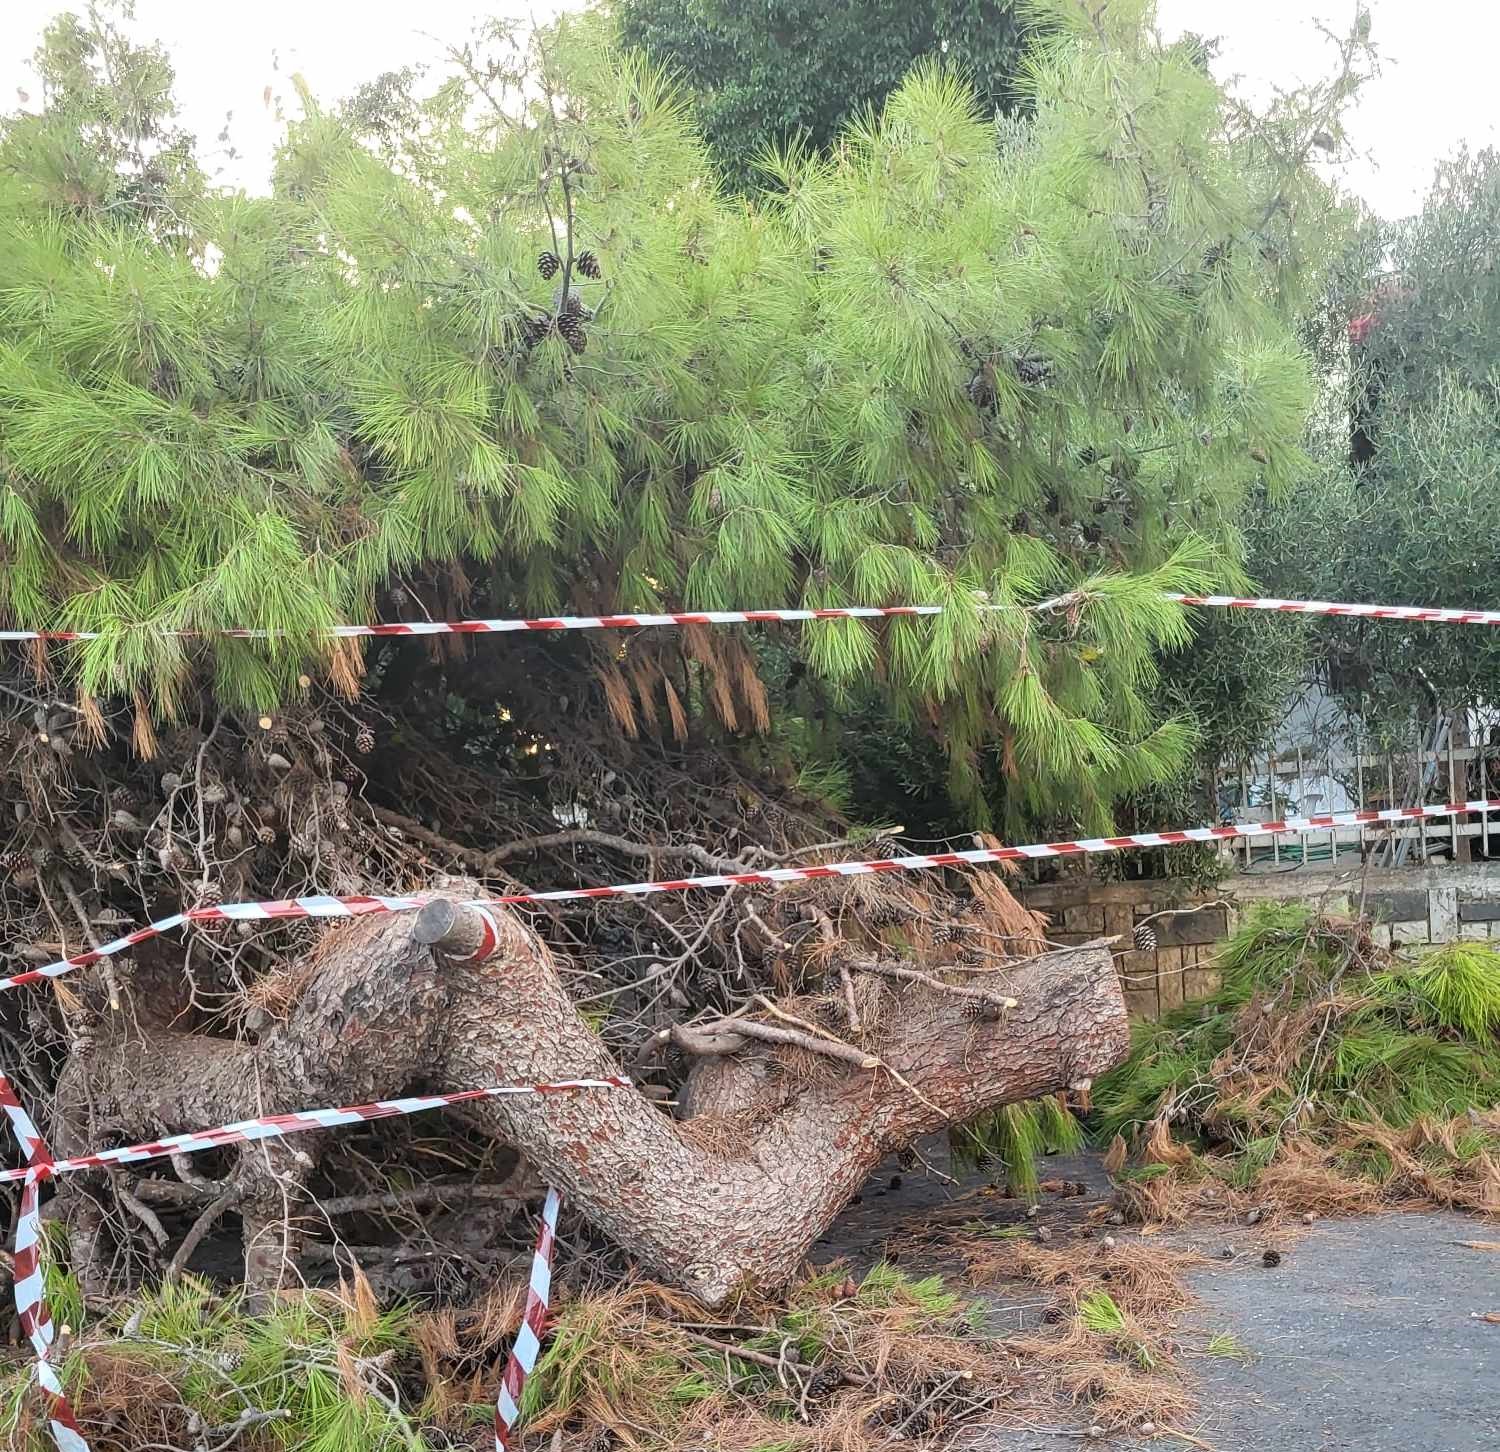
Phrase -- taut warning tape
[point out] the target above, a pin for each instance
(278, 1126)
(343, 907)
(1420, 614)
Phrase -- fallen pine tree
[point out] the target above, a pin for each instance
(504, 349)
(785, 1107)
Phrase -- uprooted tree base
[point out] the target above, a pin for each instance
(785, 1110)
(799, 1033)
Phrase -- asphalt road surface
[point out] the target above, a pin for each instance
(1366, 1338)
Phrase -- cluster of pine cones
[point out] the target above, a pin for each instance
(549, 264)
(570, 315)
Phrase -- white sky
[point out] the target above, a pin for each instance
(1437, 89)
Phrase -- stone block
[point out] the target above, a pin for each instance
(1085, 918)
(1119, 920)
(1409, 934)
(1169, 974)
(1140, 1003)
(1136, 970)
(1180, 929)
(1479, 912)
(1474, 932)
(1442, 914)
(1398, 907)
(1380, 935)
(1201, 983)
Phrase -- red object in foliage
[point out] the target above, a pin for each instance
(1359, 328)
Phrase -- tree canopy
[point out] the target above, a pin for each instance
(791, 70)
(954, 362)
(1411, 523)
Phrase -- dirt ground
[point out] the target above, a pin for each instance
(1366, 1336)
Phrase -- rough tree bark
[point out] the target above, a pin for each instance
(776, 1143)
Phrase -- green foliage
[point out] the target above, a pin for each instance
(792, 70)
(1227, 1345)
(1409, 524)
(1100, 1313)
(1460, 983)
(301, 1359)
(1416, 1039)
(1016, 1137)
(949, 362)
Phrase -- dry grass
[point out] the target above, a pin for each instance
(1327, 1076)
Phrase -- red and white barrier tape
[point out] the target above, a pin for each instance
(1420, 614)
(278, 1126)
(26, 1272)
(543, 623)
(343, 907)
(528, 1342)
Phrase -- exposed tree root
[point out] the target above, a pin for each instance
(392, 1004)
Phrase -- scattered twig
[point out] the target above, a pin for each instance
(417, 1195)
(795, 1038)
(914, 975)
(850, 1007)
(771, 1363)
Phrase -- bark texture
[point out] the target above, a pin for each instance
(775, 1140)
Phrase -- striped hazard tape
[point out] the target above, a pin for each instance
(1418, 614)
(343, 907)
(278, 1126)
(26, 1271)
(528, 1342)
(539, 624)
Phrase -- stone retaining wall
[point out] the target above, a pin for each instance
(1434, 904)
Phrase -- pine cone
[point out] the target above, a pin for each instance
(265, 835)
(1033, 371)
(824, 1380)
(571, 332)
(364, 740)
(944, 933)
(1145, 938)
(572, 306)
(972, 957)
(588, 265)
(975, 1010)
(15, 860)
(549, 265)
(210, 894)
(533, 330)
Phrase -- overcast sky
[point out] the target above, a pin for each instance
(1437, 90)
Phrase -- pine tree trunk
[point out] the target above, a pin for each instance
(777, 1142)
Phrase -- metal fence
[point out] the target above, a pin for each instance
(1450, 758)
